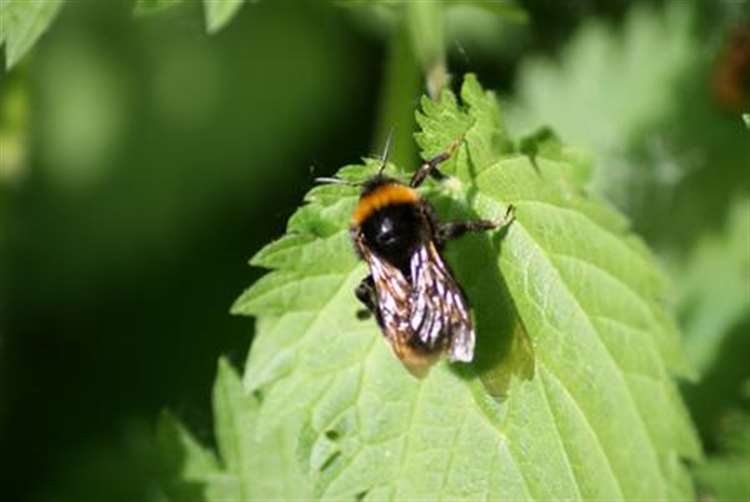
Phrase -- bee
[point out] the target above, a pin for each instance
(417, 303)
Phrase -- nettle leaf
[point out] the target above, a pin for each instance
(609, 92)
(571, 394)
(220, 12)
(713, 282)
(249, 469)
(22, 22)
(630, 75)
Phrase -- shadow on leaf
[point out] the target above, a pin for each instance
(503, 349)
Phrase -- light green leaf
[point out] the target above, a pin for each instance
(189, 470)
(506, 9)
(478, 122)
(22, 22)
(248, 469)
(606, 91)
(3, 20)
(745, 116)
(570, 394)
(220, 12)
(146, 7)
(714, 286)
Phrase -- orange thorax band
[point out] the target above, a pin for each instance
(383, 196)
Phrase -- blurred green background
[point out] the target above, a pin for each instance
(144, 161)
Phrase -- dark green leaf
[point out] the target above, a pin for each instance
(249, 468)
(726, 475)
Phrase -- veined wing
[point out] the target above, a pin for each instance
(439, 313)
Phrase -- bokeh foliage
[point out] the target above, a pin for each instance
(142, 161)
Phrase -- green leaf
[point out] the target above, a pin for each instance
(726, 476)
(146, 7)
(570, 394)
(628, 75)
(220, 12)
(22, 22)
(248, 469)
(444, 121)
(3, 20)
(608, 89)
(14, 129)
(745, 116)
(714, 286)
(506, 9)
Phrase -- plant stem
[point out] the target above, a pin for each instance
(400, 95)
(426, 27)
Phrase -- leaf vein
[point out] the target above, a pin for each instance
(558, 436)
(586, 421)
(610, 357)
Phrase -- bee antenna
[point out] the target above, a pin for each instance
(330, 180)
(386, 151)
(335, 181)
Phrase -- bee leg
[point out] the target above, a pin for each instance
(365, 293)
(454, 229)
(363, 314)
(430, 167)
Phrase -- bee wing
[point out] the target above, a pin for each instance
(439, 313)
(424, 316)
(394, 294)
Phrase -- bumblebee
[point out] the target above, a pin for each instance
(411, 291)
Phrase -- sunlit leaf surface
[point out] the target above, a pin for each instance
(22, 22)
(220, 12)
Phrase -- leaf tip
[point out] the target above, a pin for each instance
(219, 13)
(225, 369)
(25, 26)
(241, 304)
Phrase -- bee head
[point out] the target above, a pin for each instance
(367, 186)
(372, 184)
